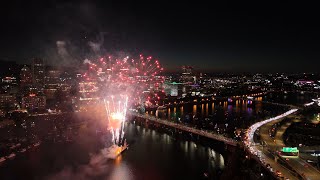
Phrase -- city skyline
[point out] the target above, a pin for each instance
(197, 90)
(215, 38)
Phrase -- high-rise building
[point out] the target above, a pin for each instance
(33, 102)
(52, 82)
(187, 70)
(187, 75)
(9, 80)
(7, 100)
(25, 76)
(38, 71)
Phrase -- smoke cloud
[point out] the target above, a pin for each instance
(86, 61)
(61, 47)
(65, 56)
(96, 168)
(96, 46)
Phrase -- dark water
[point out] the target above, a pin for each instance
(237, 110)
(226, 117)
(151, 155)
(290, 97)
(222, 109)
(220, 117)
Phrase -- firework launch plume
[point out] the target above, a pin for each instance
(113, 81)
(116, 108)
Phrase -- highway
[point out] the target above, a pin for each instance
(298, 164)
(264, 135)
(261, 153)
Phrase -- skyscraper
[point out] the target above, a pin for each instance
(33, 102)
(38, 71)
(52, 82)
(25, 76)
(187, 75)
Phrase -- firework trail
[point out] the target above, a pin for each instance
(116, 113)
(114, 81)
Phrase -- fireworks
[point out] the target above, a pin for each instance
(146, 67)
(114, 81)
(146, 74)
(125, 69)
(124, 74)
(116, 113)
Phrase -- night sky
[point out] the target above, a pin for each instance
(209, 36)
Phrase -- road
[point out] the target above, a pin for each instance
(296, 163)
(261, 153)
(264, 135)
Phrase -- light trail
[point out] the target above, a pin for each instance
(249, 141)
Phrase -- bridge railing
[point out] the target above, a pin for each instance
(205, 133)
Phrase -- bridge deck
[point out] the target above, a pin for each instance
(182, 127)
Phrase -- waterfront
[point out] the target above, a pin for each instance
(155, 152)
(292, 98)
(152, 155)
(229, 119)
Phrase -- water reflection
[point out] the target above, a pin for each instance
(212, 105)
(181, 109)
(121, 170)
(294, 98)
(194, 110)
(238, 108)
(192, 152)
(230, 107)
(202, 110)
(207, 109)
(225, 105)
(152, 154)
(238, 114)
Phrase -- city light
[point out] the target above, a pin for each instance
(197, 90)
(249, 136)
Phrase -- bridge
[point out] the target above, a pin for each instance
(280, 104)
(275, 103)
(185, 128)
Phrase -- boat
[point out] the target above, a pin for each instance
(162, 107)
(23, 150)
(122, 148)
(36, 144)
(11, 156)
(206, 175)
(2, 159)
